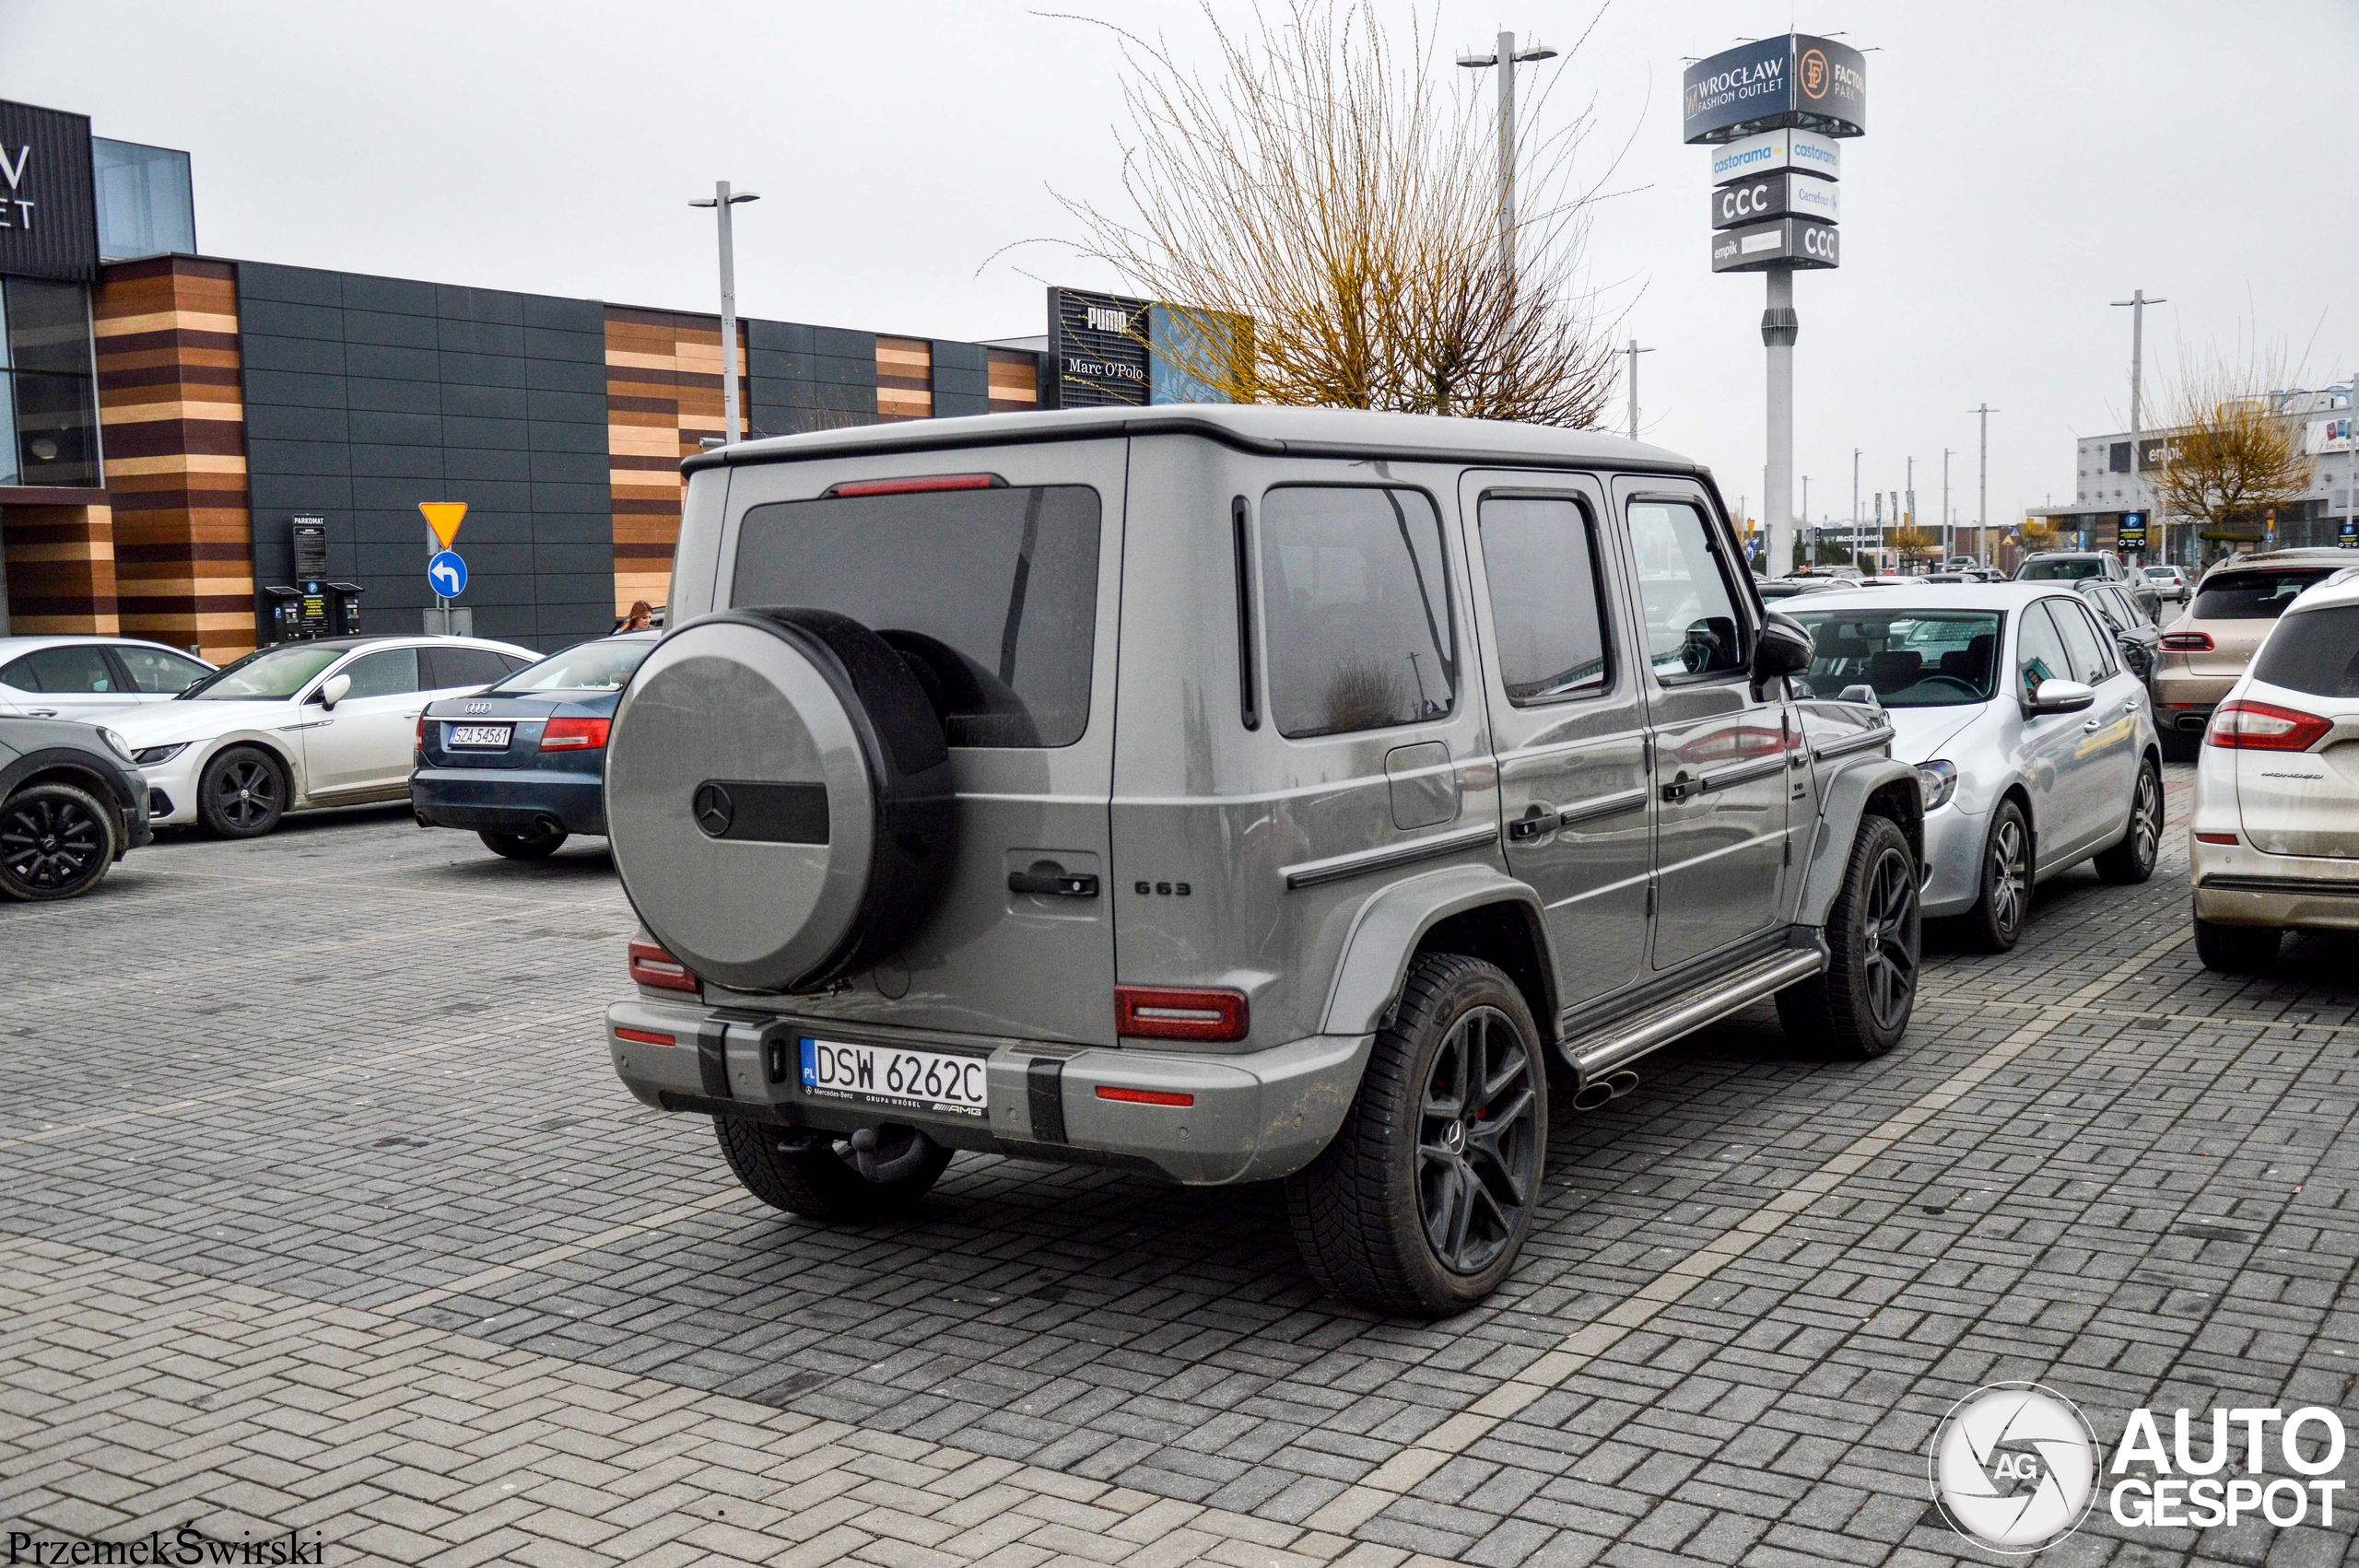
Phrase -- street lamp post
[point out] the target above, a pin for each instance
(2137, 303)
(1507, 57)
(1855, 506)
(1632, 354)
(1949, 543)
(722, 200)
(1982, 507)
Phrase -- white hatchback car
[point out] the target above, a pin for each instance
(2035, 749)
(92, 680)
(2275, 840)
(302, 725)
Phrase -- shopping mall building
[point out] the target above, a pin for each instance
(171, 415)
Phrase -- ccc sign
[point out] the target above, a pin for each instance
(1819, 243)
(1732, 204)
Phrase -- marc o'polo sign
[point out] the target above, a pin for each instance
(1099, 344)
(1774, 196)
(49, 222)
(1793, 80)
(1784, 241)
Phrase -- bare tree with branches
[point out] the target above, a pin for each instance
(2230, 458)
(1321, 218)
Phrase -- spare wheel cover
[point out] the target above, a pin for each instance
(777, 798)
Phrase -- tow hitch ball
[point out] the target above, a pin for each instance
(882, 1155)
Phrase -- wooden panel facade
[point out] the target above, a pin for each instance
(1014, 380)
(173, 423)
(663, 399)
(59, 561)
(904, 378)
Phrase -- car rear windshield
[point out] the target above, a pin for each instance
(2252, 595)
(273, 674)
(1912, 658)
(601, 666)
(2316, 652)
(2066, 570)
(991, 594)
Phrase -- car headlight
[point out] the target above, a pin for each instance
(151, 755)
(1936, 782)
(116, 744)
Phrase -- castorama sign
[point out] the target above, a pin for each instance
(1793, 80)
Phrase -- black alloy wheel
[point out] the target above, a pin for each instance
(1859, 1005)
(242, 793)
(57, 841)
(1478, 1142)
(1888, 937)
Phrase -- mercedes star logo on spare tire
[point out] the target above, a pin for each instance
(714, 810)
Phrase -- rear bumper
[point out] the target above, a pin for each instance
(507, 800)
(1252, 1117)
(2238, 886)
(2184, 702)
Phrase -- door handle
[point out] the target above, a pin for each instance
(1682, 787)
(1064, 884)
(1538, 818)
(41, 712)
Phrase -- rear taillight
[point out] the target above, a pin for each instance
(421, 730)
(1149, 1013)
(2215, 838)
(650, 966)
(575, 734)
(2264, 727)
(2187, 642)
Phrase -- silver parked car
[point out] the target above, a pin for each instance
(1225, 795)
(2035, 744)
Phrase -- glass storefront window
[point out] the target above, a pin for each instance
(147, 205)
(47, 389)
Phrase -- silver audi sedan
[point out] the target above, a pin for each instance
(2035, 747)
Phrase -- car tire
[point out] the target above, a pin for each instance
(820, 1182)
(2132, 860)
(57, 840)
(522, 846)
(241, 793)
(1859, 1005)
(1999, 913)
(1409, 1210)
(2236, 950)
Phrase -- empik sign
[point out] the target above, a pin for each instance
(1774, 151)
(1774, 196)
(1793, 80)
(1784, 241)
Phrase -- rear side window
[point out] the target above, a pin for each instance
(991, 596)
(1541, 557)
(2316, 652)
(462, 667)
(79, 668)
(2092, 649)
(1357, 598)
(2251, 596)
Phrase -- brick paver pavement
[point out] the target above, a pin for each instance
(323, 1211)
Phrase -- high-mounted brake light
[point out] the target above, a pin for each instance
(1150, 1012)
(913, 483)
(650, 966)
(575, 734)
(2264, 727)
(2189, 642)
(1144, 1096)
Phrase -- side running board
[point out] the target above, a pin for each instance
(1626, 1040)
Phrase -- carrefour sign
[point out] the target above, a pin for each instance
(1791, 81)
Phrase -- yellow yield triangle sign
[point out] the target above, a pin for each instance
(444, 518)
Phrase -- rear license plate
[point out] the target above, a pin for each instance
(493, 736)
(884, 1075)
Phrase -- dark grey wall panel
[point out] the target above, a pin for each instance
(366, 395)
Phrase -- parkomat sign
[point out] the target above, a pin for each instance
(1794, 80)
(1785, 241)
(1774, 196)
(1773, 151)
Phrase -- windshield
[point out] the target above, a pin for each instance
(1912, 658)
(2252, 595)
(273, 672)
(2162, 574)
(601, 666)
(990, 594)
(2066, 569)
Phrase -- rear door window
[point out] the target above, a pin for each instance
(449, 667)
(2251, 595)
(2091, 648)
(79, 669)
(1541, 556)
(992, 594)
(2316, 652)
(1357, 605)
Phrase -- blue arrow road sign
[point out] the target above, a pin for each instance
(447, 574)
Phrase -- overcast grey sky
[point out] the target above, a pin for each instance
(2025, 164)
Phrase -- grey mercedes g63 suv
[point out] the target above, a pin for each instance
(1225, 795)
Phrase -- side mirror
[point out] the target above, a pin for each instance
(2060, 697)
(333, 690)
(1784, 648)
